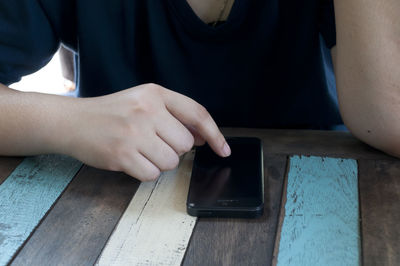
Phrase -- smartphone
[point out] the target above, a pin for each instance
(228, 187)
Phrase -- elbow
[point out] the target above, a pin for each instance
(375, 123)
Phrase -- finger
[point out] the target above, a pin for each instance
(141, 168)
(160, 154)
(198, 139)
(175, 134)
(193, 114)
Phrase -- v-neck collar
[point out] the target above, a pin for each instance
(190, 19)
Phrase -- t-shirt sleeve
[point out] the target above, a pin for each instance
(326, 22)
(27, 40)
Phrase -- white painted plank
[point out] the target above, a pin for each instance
(321, 221)
(155, 229)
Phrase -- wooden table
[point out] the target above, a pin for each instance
(82, 218)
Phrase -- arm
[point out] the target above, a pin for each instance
(140, 131)
(367, 68)
(31, 122)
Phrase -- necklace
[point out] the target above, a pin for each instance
(221, 13)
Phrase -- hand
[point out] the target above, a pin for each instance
(140, 131)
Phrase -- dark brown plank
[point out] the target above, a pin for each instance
(241, 242)
(79, 225)
(281, 215)
(7, 165)
(311, 142)
(380, 211)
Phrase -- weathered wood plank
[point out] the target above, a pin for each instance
(241, 241)
(26, 196)
(82, 220)
(380, 211)
(321, 222)
(155, 228)
(311, 142)
(281, 217)
(7, 165)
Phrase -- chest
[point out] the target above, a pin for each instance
(211, 10)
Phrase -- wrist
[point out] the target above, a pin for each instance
(61, 135)
(54, 116)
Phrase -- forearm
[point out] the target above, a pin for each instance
(32, 123)
(368, 70)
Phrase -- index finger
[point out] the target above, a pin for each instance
(191, 113)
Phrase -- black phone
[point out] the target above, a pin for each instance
(228, 187)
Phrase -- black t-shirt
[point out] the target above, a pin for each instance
(268, 65)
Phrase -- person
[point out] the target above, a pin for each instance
(157, 77)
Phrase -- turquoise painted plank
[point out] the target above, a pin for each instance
(321, 222)
(26, 196)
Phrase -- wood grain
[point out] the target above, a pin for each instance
(26, 196)
(311, 142)
(281, 217)
(82, 220)
(155, 228)
(7, 165)
(77, 228)
(321, 223)
(241, 241)
(380, 211)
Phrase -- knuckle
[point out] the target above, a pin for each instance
(170, 163)
(174, 162)
(148, 101)
(201, 113)
(186, 145)
(150, 175)
(142, 105)
(153, 87)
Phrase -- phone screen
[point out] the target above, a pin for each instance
(235, 181)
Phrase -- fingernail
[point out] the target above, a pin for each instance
(226, 149)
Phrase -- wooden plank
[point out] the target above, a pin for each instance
(241, 241)
(311, 142)
(26, 196)
(82, 220)
(321, 222)
(7, 165)
(155, 228)
(281, 217)
(380, 211)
